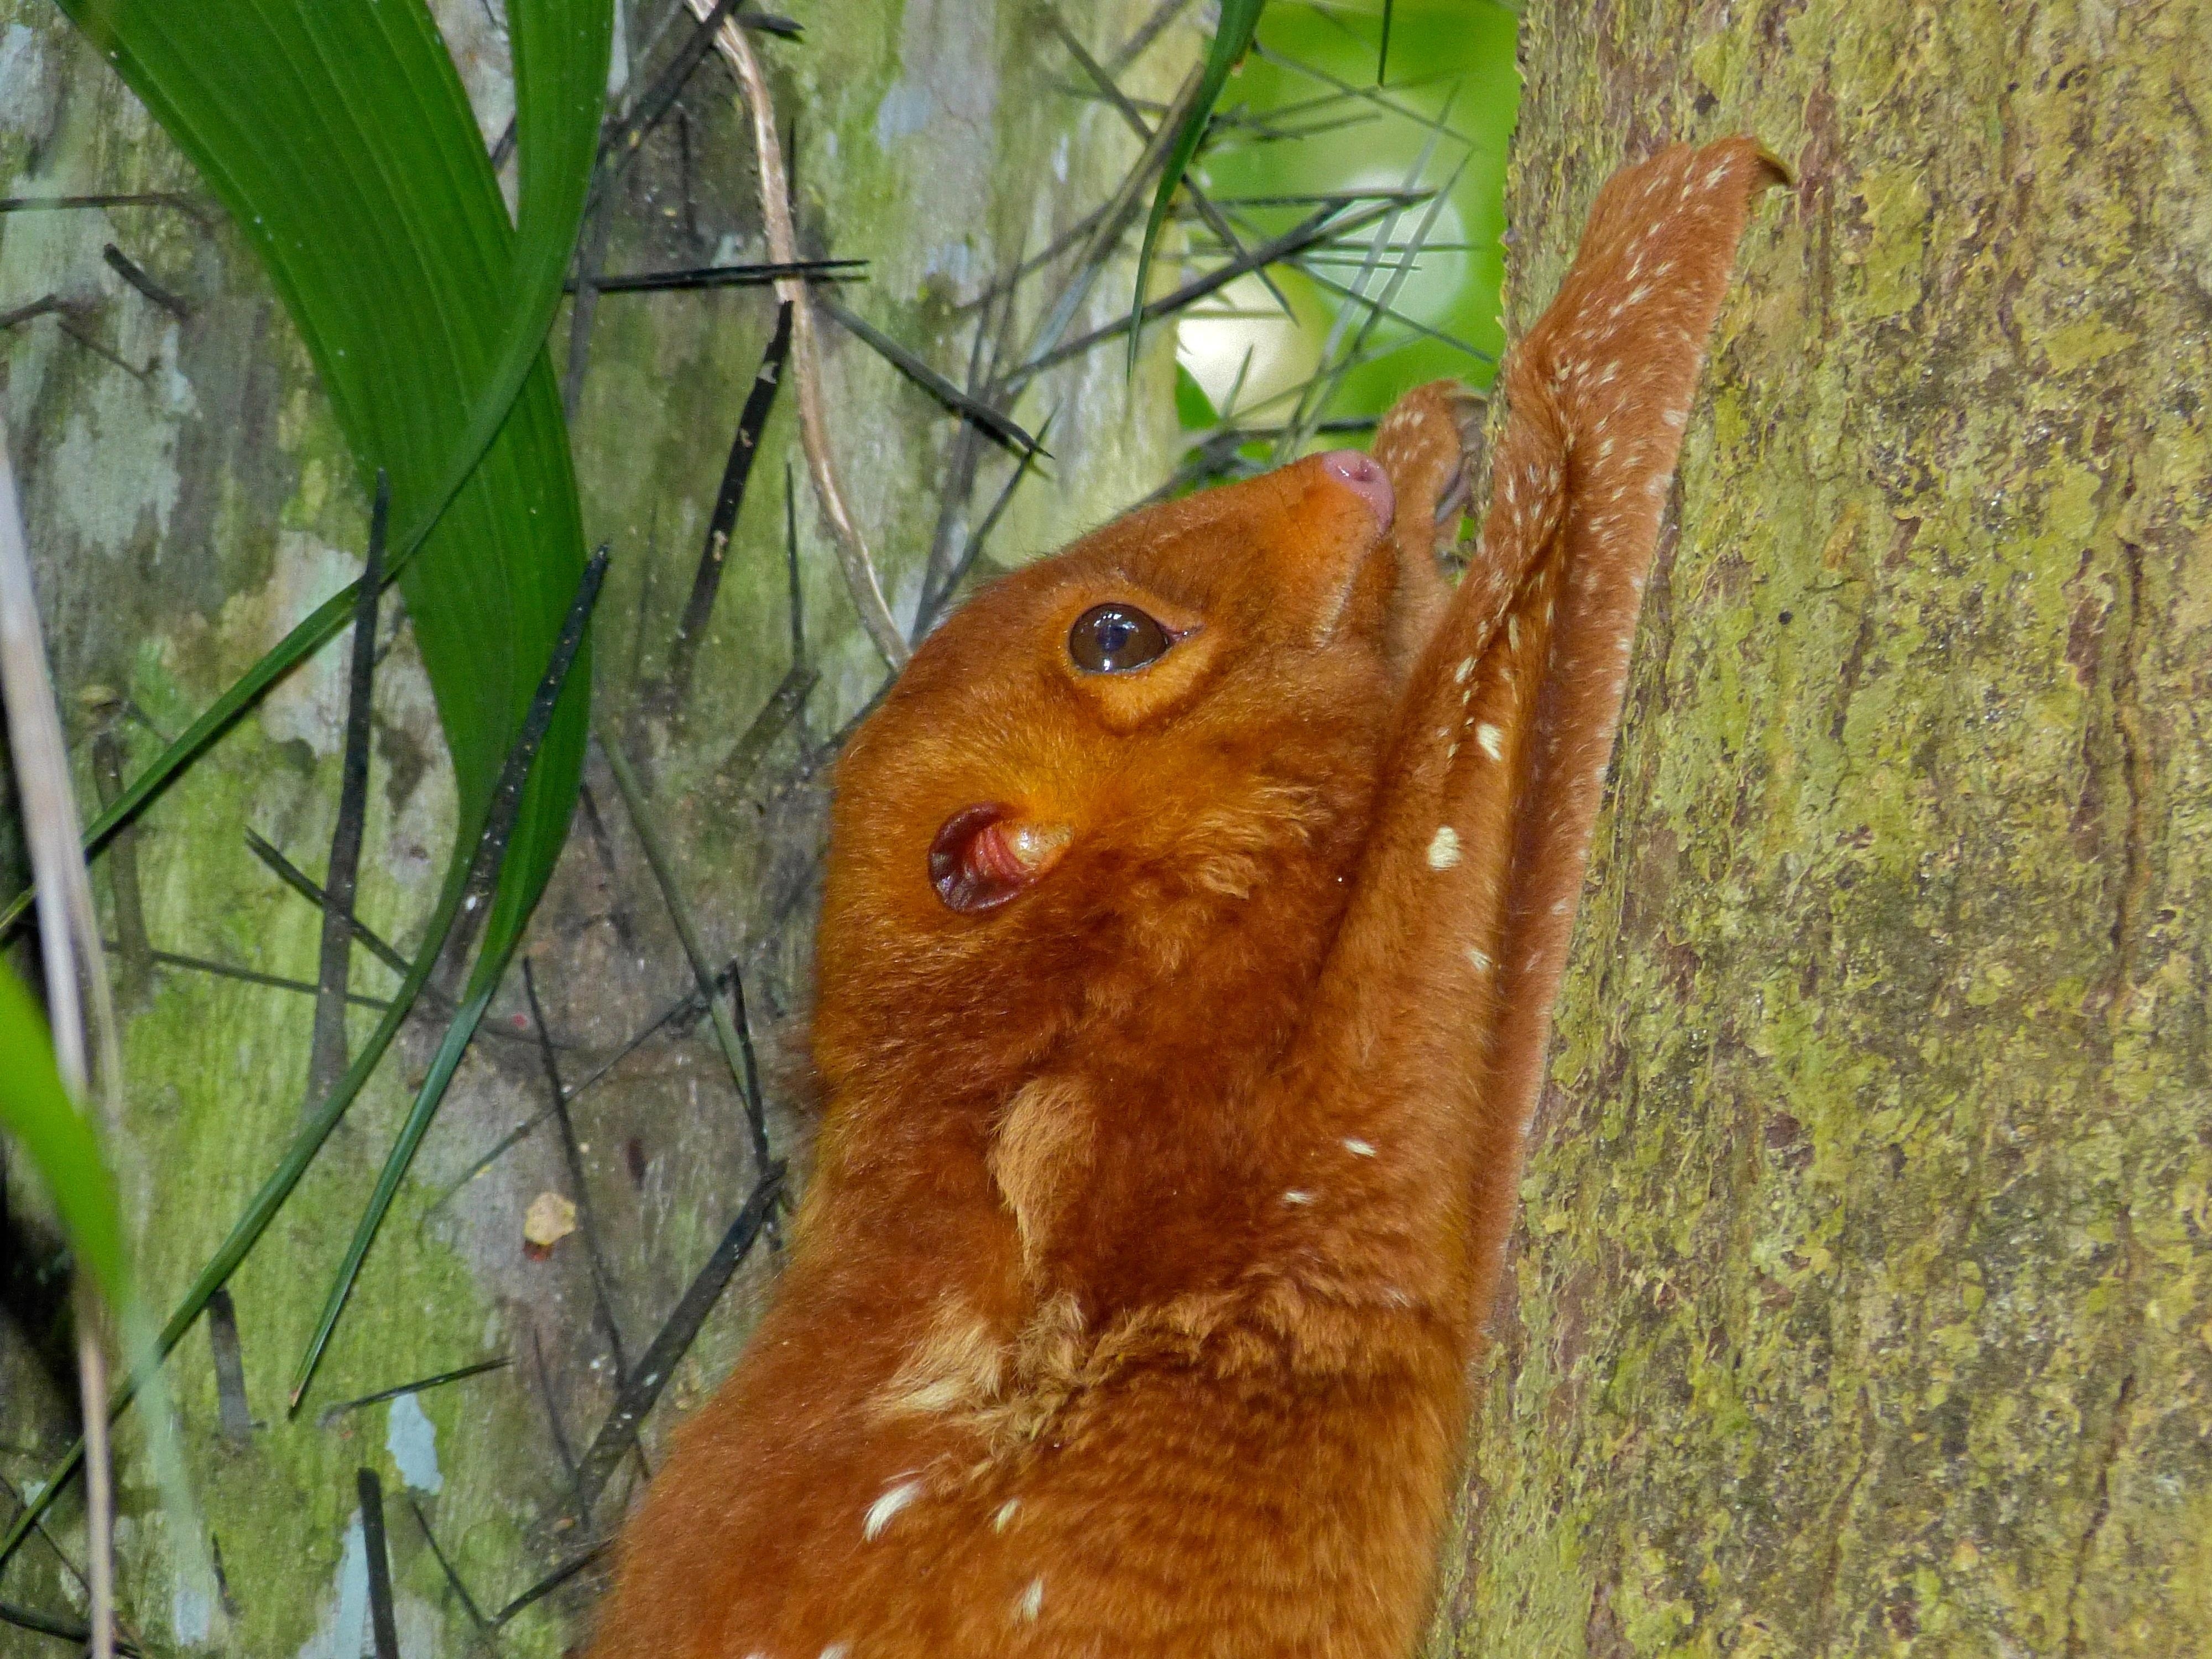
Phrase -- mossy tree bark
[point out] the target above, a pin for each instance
(190, 499)
(1863, 1295)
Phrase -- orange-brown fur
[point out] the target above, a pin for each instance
(1157, 1210)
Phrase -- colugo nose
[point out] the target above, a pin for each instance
(1365, 477)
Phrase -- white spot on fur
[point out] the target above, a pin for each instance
(1466, 667)
(1032, 1602)
(1359, 1149)
(1443, 846)
(1480, 959)
(1513, 631)
(1491, 739)
(1294, 1196)
(1004, 1513)
(881, 1511)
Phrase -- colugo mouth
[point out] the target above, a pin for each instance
(987, 854)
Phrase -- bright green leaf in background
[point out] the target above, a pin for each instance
(38, 1112)
(1305, 115)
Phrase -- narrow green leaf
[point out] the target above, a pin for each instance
(484, 872)
(35, 1107)
(338, 135)
(1239, 19)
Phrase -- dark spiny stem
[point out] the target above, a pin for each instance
(229, 1359)
(1314, 228)
(678, 1332)
(960, 402)
(735, 1040)
(184, 204)
(385, 1627)
(551, 1582)
(571, 1152)
(134, 955)
(758, 274)
(552, 1409)
(453, 1575)
(326, 1061)
(722, 523)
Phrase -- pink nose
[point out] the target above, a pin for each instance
(1365, 477)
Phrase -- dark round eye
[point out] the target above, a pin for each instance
(1113, 638)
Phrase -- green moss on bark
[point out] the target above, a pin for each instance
(1862, 1301)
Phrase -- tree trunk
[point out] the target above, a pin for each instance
(1863, 1295)
(190, 498)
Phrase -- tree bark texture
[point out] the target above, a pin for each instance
(1863, 1298)
(190, 499)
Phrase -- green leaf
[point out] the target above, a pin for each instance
(1239, 19)
(338, 135)
(37, 1110)
(483, 872)
(1194, 410)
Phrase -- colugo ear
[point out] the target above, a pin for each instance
(1426, 443)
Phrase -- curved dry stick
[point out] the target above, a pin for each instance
(860, 569)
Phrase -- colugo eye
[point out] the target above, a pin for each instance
(1113, 638)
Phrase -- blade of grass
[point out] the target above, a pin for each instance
(1239, 18)
(483, 881)
(384, 1627)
